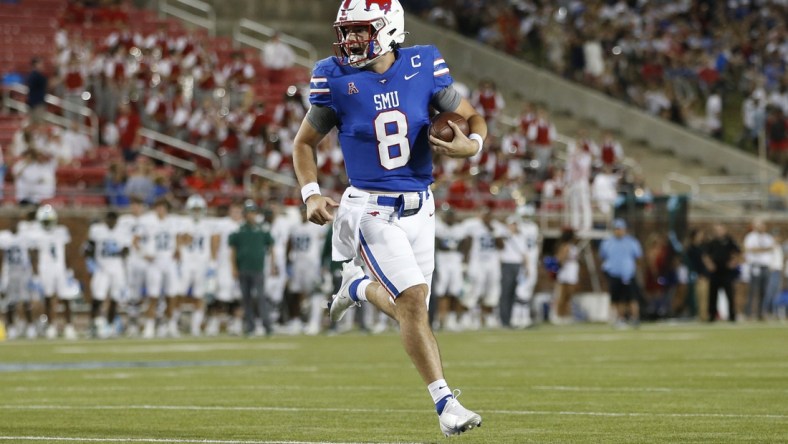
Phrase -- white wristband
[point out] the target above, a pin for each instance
(309, 189)
(479, 139)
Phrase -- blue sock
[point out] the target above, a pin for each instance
(354, 288)
(442, 403)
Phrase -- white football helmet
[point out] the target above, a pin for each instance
(46, 216)
(196, 206)
(385, 22)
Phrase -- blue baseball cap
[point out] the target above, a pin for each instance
(619, 224)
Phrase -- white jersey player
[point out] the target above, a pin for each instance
(195, 255)
(108, 244)
(227, 291)
(50, 241)
(275, 278)
(15, 280)
(486, 237)
(304, 249)
(517, 280)
(136, 265)
(449, 238)
(160, 253)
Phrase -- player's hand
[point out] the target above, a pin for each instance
(320, 209)
(461, 146)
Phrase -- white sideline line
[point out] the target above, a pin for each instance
(362, 410)
(568, 388)
(165, 440)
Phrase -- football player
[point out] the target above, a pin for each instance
(449, 236)
(136, 265)
(51, 240)
(377, 94)
(303, 253)
(108, 245)
(486, 237)
(161, 254)
(17, 273)
(279, 223)
(227, 290)
(195, 255)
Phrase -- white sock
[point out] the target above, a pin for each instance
(440, 392)
(361, 290)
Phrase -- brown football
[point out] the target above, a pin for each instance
(439, 126)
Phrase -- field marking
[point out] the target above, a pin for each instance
(173, 348)
(567, 388)
(170, 440)
(611, 337)
(368, 410)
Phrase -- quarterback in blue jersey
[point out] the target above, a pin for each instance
(378, 96)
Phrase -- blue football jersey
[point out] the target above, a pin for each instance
(383, 118)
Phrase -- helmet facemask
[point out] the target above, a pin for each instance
(358, 52)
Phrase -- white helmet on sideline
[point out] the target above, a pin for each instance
(46, 216)
(196, 206)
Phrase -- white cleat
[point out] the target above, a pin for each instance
(30, 332)
(456, 419)
(341, 302)
(51, 332)
(149, 332)
(69, 333)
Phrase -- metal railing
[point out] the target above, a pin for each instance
(743, 189)
(184, 10)
(248, 32)
(92, 130)
(265, 173)
(180, 145)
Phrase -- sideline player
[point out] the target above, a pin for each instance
(228, 293)
(161, 252)
(195, 255)
(51, 240)
(108, 245)
(378, 95)
(449, 236)
(17, 272)
(136, 265)
(303, 254)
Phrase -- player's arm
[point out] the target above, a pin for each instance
(461, 146)
(318, 207)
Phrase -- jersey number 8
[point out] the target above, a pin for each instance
(391, 130)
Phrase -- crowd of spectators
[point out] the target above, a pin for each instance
(691, 62)
(193, 88)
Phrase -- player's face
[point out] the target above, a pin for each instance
(161, 210)
(357, 36)
(235, 213)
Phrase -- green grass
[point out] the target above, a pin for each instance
(681, 383)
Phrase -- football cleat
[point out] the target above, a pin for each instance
(456, 419)
(69, 332)
(341, 302)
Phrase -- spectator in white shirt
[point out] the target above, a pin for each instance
(758, 254)
(277, 57)
(34, 177)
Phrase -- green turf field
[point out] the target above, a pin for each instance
(663, 383)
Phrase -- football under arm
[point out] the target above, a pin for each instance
(449, 99)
